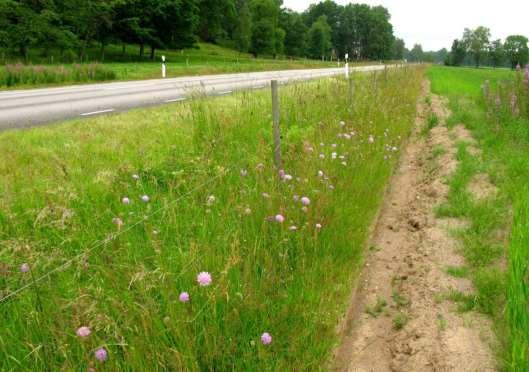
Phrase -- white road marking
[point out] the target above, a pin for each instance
(96, 112)
(259, 87)
(225, 92)
(176, 99)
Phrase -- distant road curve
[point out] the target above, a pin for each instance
(33, 107)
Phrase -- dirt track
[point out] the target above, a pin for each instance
(405, 271)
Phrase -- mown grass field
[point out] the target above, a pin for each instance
(215, 201)
(496, 242)
(205, 59)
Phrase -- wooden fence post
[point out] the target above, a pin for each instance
(277, 131)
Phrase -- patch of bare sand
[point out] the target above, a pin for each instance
(407, 270)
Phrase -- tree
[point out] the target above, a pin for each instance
(458, 53)
(416, 54)
(516, 50)
(264, 25)
(242, 35)
(496, 53)
(295, 43)
(476, 42)
(399, 47)
(319, 38)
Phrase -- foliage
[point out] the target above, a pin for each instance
(72, 27)
(319, 38)
(517, 50)
(476, 42)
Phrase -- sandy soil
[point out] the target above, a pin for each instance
(406, 270)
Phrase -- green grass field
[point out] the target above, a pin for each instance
(216, 205)
(205, 59)
(496, 243)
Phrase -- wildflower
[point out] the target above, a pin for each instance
(514, 101)
(287, 177)
(305, 200)
(204, 279)
(293, 228)
(265, 195)
(145, 198)
(259, 166)
(371, 139)
(281, 173)
(320, 173)
(24, 268)
(342, 123)
(394, 148)
(344, 163)
(318, 226)
(210, 200)
(322, 144)
(334, 155)
(125, 200)
(83, 332)
(347, 136)
(135, 177)
(333, 145)
(279, 218)
(310, 149)
(266, 339)
(244, 172)
(498, 101)
(184, 297)
(247, 211)
(101, 354)
(304, 209)
(118, 222)
(296, 198)
(322, 156)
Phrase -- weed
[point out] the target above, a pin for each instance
(400, 320)
(378, 308)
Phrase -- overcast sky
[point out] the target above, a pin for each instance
(436, 23)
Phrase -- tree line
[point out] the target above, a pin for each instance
(262, 27)
(476, 47)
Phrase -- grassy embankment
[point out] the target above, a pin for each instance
(206, 59)
(206, 166)
(496, 242)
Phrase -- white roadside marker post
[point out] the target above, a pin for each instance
(347, 65)
(163, 66)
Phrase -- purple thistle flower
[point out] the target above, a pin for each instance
(281, 173)
(24, 268)
(125, 200)
(204, 279)
(279, 218)
(83, 331)
(305, 201)
(101, 354)
(318, 226)
(145, 198)
(266, 339)
(184, 297)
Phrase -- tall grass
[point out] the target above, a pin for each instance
(29, 75)
(214, 199)
(482, 100)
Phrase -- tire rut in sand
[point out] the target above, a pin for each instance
(407, 325)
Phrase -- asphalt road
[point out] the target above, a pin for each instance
(28, 108)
